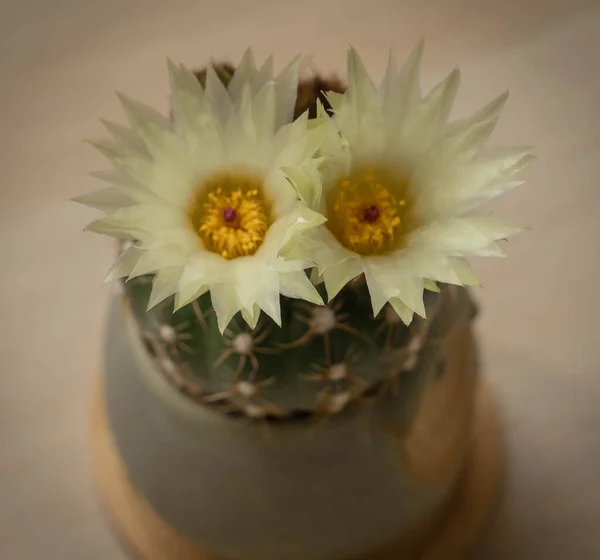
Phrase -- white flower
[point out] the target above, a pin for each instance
(400, 185)
(205, 195)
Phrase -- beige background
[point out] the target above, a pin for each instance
(61, 60)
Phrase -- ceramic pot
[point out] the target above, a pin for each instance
(343, 488)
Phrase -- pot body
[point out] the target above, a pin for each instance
(292, 490)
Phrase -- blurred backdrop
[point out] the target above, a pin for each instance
(60, 63)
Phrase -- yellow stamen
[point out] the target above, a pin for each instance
(371, 211)
(230, 215)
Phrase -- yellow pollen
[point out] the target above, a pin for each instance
(230, 215)
(371, 211)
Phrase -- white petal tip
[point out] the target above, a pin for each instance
(153, 302)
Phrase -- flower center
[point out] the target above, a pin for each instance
(371, 214)
(230, 214)
(371, 211)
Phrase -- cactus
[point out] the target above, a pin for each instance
(320, 361)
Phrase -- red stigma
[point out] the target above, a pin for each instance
(371, 214)
(229, 214)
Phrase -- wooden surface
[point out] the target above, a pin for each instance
(61, 61)
(446, 535)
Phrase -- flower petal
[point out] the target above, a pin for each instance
(490, 173)
(386, 282)
(299, 221)
(150, 126)
(430, 285)
(297, 285)
(217, 96)
(268, 300)
(402, 92)
(463, 236)
(137, 221)
(421, 128)
(226, 304)
(493, 227)
(155, 260)
(264, 111)
(338, 275)
(465, 273)
(183, 298)
(141, 117)
(202, 269)
(187, 100)
(264, 74)
(361, 89)
(306, 181)
(128, 185)
(286, 91)
(290, 143)
(130, 143)
(251, 316)
(165, 284)
(244, 73)
(404, 313)
(107, 200)
(421, 260)
(124, 264)
(318, 245)
(468, 136)
(453, 188)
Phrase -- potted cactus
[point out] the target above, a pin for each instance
(289, 370)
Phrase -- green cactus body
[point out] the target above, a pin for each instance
(322, 358)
